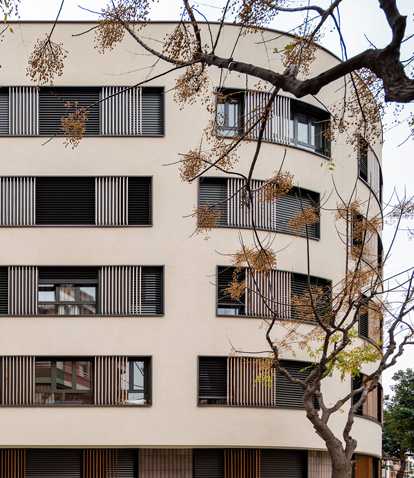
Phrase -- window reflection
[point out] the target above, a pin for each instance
(67, 299)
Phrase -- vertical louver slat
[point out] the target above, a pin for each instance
(65, 201)
(13, 463)
(138, 197)
(17, 380)
(319, 464)
(242, 463)
(52, 108)
(110, 386)
(4, 111)
(165, 463)
(152, 119)
(247, 383)
(100, 463)
(17, 201)
(121, 111)
(111, 201)
(213, 192)
(115, 286)
(23, 290)
(24, 111)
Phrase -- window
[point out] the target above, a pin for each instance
(289, 294)
(370, 321)
(223, 381)
(67, 291)
(308, 125)
(66, 382)
(363, 158)
(111, 111)
(226, 197)
(373, 405)
(137, 377)
(76, 201)
(230, 113)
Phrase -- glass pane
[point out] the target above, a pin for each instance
(312, 134)
(137, 398)
(83, 375)
(67, 293)
(49, 398)
(318, 132)
(72, 309)
(87, 293)
(43, 372)
(303, 129)
(87, 309)
(233, 115)
(47, 309)
(46, 293)
(138, 376)
(78, 398)
(64, 375)
(221, 115)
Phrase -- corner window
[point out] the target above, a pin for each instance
(230, 113)
(308, 127)
(363, 158)
(66, 382)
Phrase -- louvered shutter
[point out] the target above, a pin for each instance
(319, 464)
(212, 380)
(69, 274)
(363, 324)
(23, 290)
(23, 111)
(165, 463)
(4, 111)
(213, 192)
(115, 285)
(111, 201)
(120, 111)
(65, 201)
(139, 201)
(127, 464)
(283, 464)
(357, 383)
(4, 290)
(290, 395)
(17, 380)
(43, 463)
(224, 300)
(152, 111)
(13, 463)
(301, 305)
(208, 463)
(17, 201)
(152, 293)
(52, 108)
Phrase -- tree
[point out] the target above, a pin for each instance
(370, 78)
(398, 437)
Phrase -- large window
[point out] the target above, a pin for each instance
(230, 113)
(308, 127)
(138, 381)
(66, 382)
(111, 111)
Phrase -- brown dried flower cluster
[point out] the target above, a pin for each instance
(276, 187)
(312, 305)
(303, 219)
(207, 218)
(253, 14)
(180, 44)
(301, 52)
(191, 85)
(191, 165)
(73, 125)
(236, 287)
(258, 259)
(46, 61)
(364, 110)
(115, 18)
(403, 210)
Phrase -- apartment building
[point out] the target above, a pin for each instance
(116, 327)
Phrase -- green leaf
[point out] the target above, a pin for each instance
(5, 18)
(289, 47)
(11, 30)
(275, 50)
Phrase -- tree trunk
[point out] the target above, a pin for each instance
(343, 470)
(403, 464)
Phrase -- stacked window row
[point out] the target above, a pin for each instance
(111, 111)
(174, 463)
(106, 290)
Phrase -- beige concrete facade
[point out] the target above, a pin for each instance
(190, 326)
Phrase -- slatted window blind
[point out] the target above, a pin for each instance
(228, 197)
(23, 281)
(241, 463)
(13, 463)
(4, 111)
(212, 380)
(52, 463)
(139, 201)
(17, 380)
(152, 111)
(209, 463)
(135, 290)
(111, 201)
(165, 463)
(283, 464)
(276, 292)
(24, 111)
(319, 464)
(17, 201)
(110, 387)
(373, 405)
(4, 290)
(121, 111)
(278, 125)
(100, 463)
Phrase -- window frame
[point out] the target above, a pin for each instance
(232, 96)
(147, 379)
(65, 304)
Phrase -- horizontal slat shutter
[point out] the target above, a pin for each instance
(208, 463)
(152, 293)
(213, 192)
(283, 464)
(4, 290)
(52, 108)
(54, 463)
(212, 379)
(289, 395)
(363, 324)
(70, 274)
(139, 201)
(152, 112)
(301, 304)
(65, 201)
(126, 464)
(4, 111)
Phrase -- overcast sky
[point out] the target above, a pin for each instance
(362, 22)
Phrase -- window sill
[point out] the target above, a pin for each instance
(224, 226)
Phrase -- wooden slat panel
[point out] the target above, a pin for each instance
(13, 463)
(17, 380)
(241, 463)
(363, 466)
(23, 290)
(166, 463)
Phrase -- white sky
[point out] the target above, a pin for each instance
(358, 17)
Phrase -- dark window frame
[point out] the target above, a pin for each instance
(227, 98)
(147, 379)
